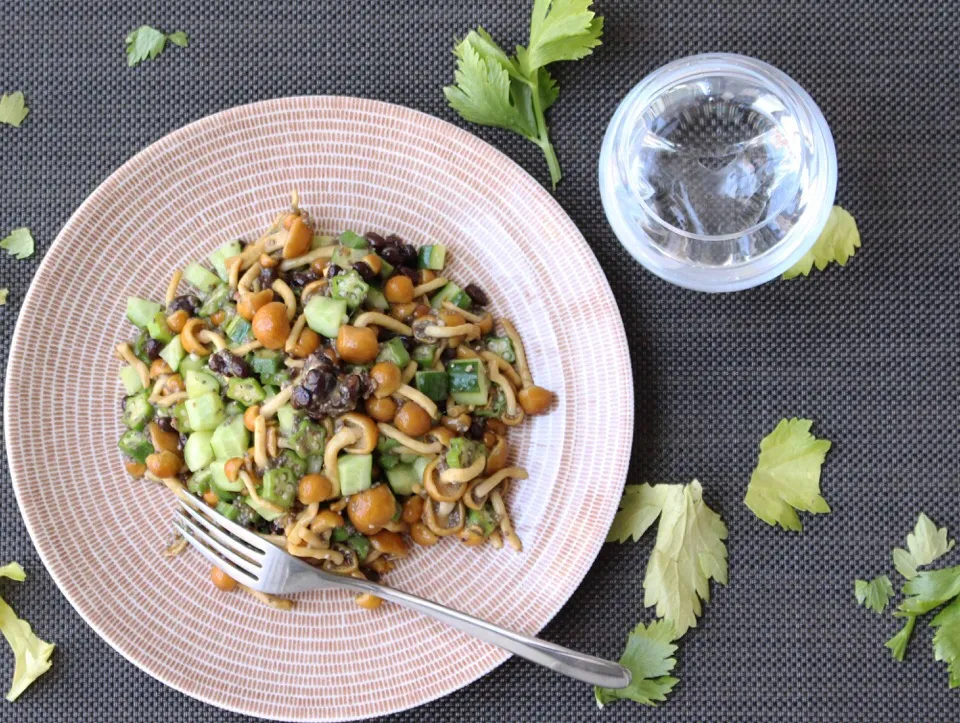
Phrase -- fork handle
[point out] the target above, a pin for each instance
(557, 658)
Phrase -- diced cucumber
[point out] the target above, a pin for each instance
(340, 534)
(345, 258)
(219, 480)
(246, 391)
(197, 452)
(468, 382)
(402, 478)
(360, 545)
(266, 513)
(194, 362)
(200, 383)
(350, 287)
(502, 347)
(452, 293)
(419, 466)
(321, 240)
(140, 312)
(386, 268)
(237, 329)
(394, 351)
(482, 518)
(434, 385)
(135, 445)
(408, 458)
(432, 257)
(292, 461)
(130, 380)
(199, 481)
(215, 301)
(385, 443)
(228, 510)
(158, 329)
(218, 259)
(353, 240)
(173, 353)
(495, 405)
(388, 461)
(230, 439)
(233, 409)
(287, 418)
(275, 380)
(355, 472)
(326, 315)
(425, 355)
(137, 411)
(205, 412)
(279, 487)
(180, 419)
(376, 300)
(197, 276)
(265, 361)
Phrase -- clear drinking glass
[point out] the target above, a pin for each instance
(718, 172)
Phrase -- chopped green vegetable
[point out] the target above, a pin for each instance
(200, 383)
(468, 382)
(218, 297)
(432, 257)
(394, 351)
(140, 312)
(198, 451)
(452, 293)
(19, 243)
(360, 544)
(131, 380)
(238, 330)
(787, 475)
(137, 411)
(201, 278)
(265, 362)
(13, 109)
(4, 293)
(173, 353)
(218, 259)
(649, 657)
(292, 461)
(433, 384)
(309, 439)
(349, 287)
(482, 518)
(158, 329)
(502, 347)
(279, 487)
(425, 355)
(924, 545)
(873, 595)
(353, 240)
(930, 589)
(246, 391)
(514, 92)
(135, 445)
(838, 242)
(31, 655)
(325, 315)
(230, 439)
(146, 42)
(355, 473)
(461, 453)
(204, 412)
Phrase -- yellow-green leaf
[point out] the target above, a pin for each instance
(924, 545)
(19, 243)
(31, 655)
(13, 109)
(649, 658)
(837, 243)
(873, 595)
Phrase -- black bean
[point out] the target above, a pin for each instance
(394, 240)
(300, 398)
(166, 424)
(226, 363)
(477, 295)
(409, 255)
(477, 427)
(392, 255)
(187, 302)
(332, 270)
(268, 276)
(366, 273)
(376, 240)
(299, 279)
(153, 348)
(409, 273)
(448, 354)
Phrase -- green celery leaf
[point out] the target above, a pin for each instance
(178, 38)
(787, 475)
(898, 643)
(484, 92)
(31, 655)
(688, 552)
(13, 109)
(838, 242)
(924, 545)
(561, 30)
(13, 571)
(946, 641)
(19, 243)
(639, 508)
(873, 595)
(143, 43)
(649, 657)
(930, 589)
(3, 296)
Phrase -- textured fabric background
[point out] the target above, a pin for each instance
(869, 352)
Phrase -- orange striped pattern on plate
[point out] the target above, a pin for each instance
(358, 164)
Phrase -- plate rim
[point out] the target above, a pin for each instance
(346, 102)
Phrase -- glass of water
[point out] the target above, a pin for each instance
(718, 172)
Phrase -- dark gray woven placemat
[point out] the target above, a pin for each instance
(870, 352)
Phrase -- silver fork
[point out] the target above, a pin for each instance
(262, 566)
